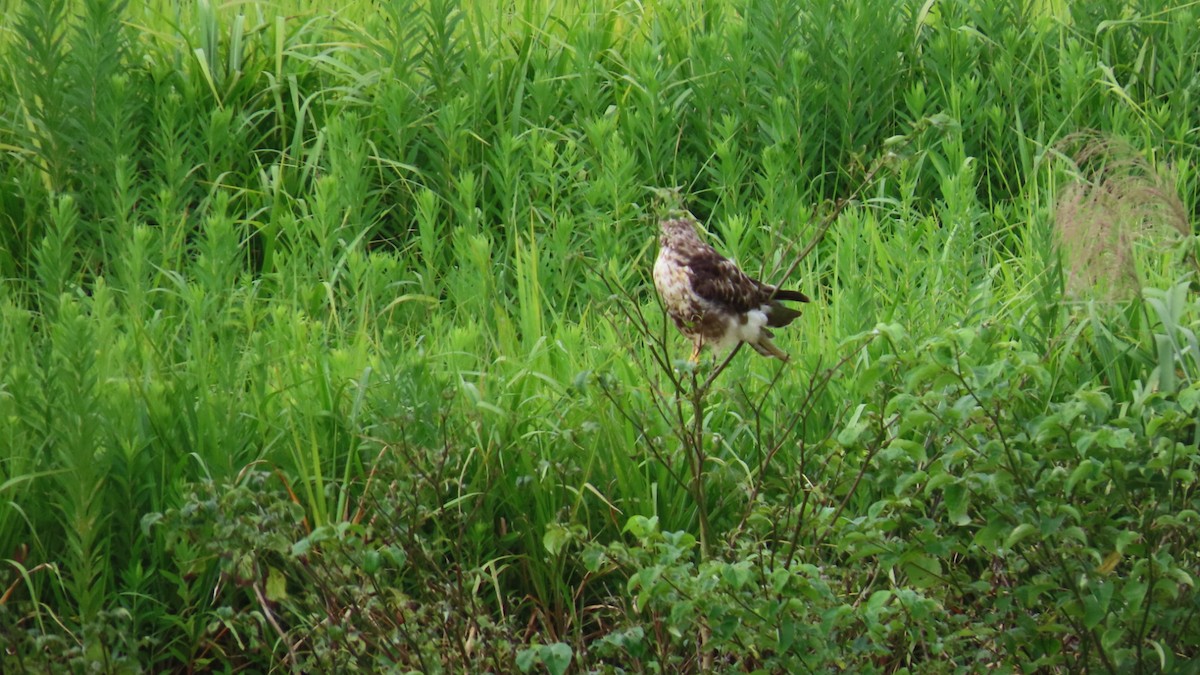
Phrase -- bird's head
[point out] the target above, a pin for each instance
(678, 230)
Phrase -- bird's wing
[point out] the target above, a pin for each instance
(716, 280)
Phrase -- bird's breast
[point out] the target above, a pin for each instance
(675, 287)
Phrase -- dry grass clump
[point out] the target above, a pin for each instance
(1117, 204)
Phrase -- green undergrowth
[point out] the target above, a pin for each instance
(327, 340)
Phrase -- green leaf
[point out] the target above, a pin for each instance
(594, 558)
(1183, 475)
(1125, 538)
(1098, 403)
(1085, 469)
(557, 657)
(909, 480)
(1133, 592)
(924, 571)
(787, 633)
(1181, 575)
(876, 602)
(149, 520)
(900, 404)
(1073, 532)
(1018, 533)
(901, 448)
(555, 538)
(917, 419)
(318, 535)
(737, 574)
(1189, 399)
(276, 585)
(957, 501)
(648, 580)
(1095, 605)
(371, 561)
(854, 429)
(526, 658)
(678, 542)
(395, 554)
(641, 526)
(988, 538)
(1162, 654)
(1112, 638)
(944, 122)
(939, 480)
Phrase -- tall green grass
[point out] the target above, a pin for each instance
(326, 338)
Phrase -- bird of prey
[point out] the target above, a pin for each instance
(711, 301)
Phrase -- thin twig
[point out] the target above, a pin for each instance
(266, 608)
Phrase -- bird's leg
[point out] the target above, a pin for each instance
(695, 357)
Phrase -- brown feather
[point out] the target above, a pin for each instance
(716, 279)
(779, 316)
(793, 296)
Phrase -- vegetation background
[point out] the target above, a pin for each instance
(327, 339)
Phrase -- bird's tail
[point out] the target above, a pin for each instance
(793, 296)
(779, 316)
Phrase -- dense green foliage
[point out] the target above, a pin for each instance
(327, 338)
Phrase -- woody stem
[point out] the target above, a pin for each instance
(697, 461)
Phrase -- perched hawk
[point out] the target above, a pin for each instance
(710, 299)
